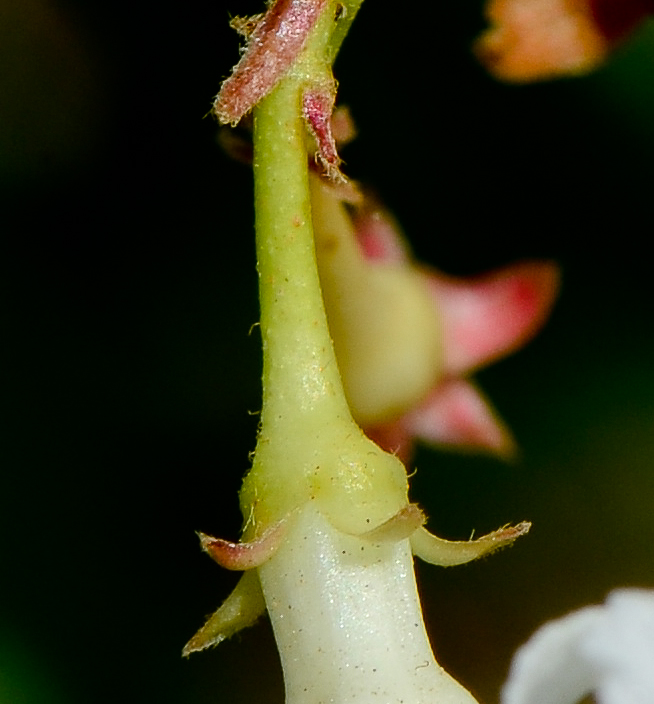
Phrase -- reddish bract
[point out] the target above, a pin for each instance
(272, 47)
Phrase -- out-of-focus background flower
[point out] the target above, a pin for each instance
(129, 379)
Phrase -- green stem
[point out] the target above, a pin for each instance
(302, 390)
(351, 8)
(308, 446)
(298, 355)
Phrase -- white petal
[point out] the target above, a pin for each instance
(548, 669)
(608, 650)
(621, 648)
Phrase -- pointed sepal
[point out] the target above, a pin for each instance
(240, 610)
(447, 553)
(399, 527)
(244, 555)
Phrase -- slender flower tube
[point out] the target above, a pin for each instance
(348, 622)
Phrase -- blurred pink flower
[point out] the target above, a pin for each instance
(541, 39)
(483, 319)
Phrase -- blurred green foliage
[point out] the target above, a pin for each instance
(24, 680)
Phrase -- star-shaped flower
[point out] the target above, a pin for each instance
(541, 39)
(407, 337)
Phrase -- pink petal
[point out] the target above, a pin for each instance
(456, 414)
(494, 315)
(379, 235)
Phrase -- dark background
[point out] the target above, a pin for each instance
(128, 377)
